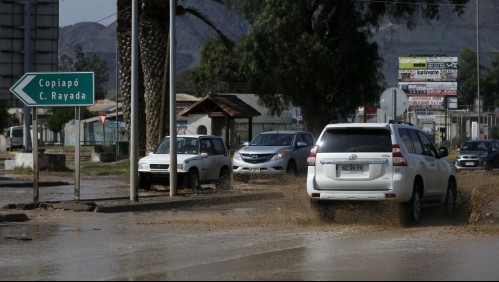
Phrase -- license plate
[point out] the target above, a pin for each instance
(469, 163)
(254, 169)
(351, 169)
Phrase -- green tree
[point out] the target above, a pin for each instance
(494, 132)
(82, 63)
(6, 120)
(61, 115)
(315, 54)
(492, 83)
(467, 78)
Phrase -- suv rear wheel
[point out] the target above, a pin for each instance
(323, 209)
(223, 182)
(410, 212)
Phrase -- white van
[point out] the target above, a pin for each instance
(14, 137)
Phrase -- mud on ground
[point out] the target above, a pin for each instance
(477, 190)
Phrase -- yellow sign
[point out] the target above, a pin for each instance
(413, 63)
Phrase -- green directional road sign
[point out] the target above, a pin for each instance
(53, 89)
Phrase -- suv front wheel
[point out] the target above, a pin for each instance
(191, 179)
(450, 199)
(410, 212)
(144, 183)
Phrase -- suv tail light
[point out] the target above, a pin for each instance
(312, 155)
(397, 158)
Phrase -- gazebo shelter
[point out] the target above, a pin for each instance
(215, 114)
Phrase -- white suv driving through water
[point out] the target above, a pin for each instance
(201, 159)
(366, 162)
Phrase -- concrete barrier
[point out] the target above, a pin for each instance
(45, 161)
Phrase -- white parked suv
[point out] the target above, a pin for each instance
(366, 162)
(201, 159)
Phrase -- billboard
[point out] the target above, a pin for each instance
(429, 88)
(427, 81)
(426, 101)
(423, 63)
(428, 75)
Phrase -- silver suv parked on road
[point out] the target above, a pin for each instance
(273, 153)
(368, 162)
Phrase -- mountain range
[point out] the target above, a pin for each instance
(446, 37)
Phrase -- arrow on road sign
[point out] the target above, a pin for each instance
(19, 89)
(55, 89)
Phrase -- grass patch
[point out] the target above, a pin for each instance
(99, 169)
(22, 170)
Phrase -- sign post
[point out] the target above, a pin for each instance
(103, 121)
(56, 89)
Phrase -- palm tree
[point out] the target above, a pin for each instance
(153, 43)
(123, 37)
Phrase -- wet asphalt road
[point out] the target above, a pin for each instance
(267, 239)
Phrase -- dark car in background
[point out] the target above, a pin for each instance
(478, 154)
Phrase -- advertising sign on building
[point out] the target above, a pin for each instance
(428, 75)
(417, 101)
(410, 63)
(429, 88)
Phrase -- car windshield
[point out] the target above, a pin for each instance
(475, 146)
(185, 145)
(277, 139)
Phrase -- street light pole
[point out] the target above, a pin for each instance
(478, 64)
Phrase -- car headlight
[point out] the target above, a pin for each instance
(143, 166)
(279, 155)
(237, 155)
(180, 166)
(484, 155)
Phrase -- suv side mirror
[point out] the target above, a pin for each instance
(301, 144)
(443, 152)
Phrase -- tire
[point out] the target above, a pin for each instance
(324, 210)
(291, 168)
(144, 183)
(489, 165)
(191, 179)
(410, 212)
(450, 198)
(223, 182)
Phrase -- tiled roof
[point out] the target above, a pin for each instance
(227, 104)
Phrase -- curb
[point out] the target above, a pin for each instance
(147, 204)
(17, 184)
(13, 217)
(182, 203)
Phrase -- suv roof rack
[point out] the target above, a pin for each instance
(400, 122)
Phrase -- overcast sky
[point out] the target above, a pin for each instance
(75, 11)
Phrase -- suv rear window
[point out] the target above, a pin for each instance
(345, 140)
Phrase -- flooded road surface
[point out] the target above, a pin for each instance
(239, 243)
(266, 239)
